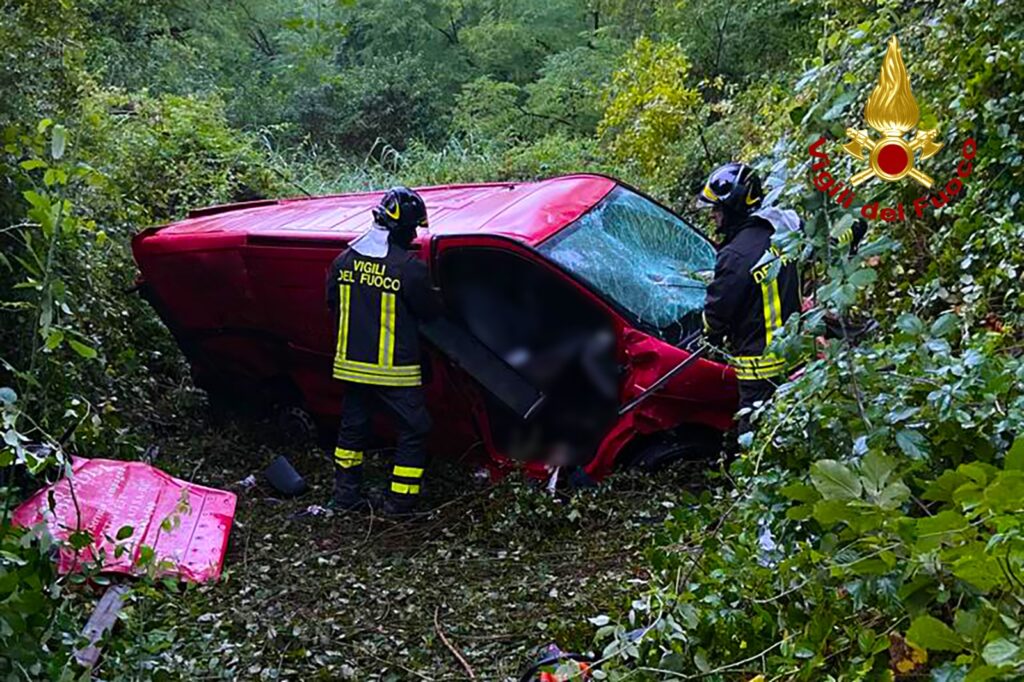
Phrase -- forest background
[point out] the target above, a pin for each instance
(871, 530)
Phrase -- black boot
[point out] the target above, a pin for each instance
(398, 506)
(347, 495)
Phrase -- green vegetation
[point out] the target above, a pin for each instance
(871, 529)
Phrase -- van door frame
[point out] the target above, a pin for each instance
(620, 326)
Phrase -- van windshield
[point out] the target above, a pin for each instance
(642, 257)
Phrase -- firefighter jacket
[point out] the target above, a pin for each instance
(754, 291)
(377, 303)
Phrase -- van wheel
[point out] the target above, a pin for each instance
(703, 445)
(296, 425)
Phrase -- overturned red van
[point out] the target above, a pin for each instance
(566, 299)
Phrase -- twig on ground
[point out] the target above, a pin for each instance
(455, 652)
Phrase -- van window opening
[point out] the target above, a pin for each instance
(647, 260)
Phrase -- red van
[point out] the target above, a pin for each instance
(566, 299)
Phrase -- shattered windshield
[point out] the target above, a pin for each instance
(639, 255)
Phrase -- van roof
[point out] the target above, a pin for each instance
(529, 212)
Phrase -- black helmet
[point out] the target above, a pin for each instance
(401, 211)
(735, 187)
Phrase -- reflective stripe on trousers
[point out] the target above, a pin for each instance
(405, 480)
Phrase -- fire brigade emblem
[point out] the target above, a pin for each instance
(892, 111)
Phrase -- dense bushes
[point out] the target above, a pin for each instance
(870, 530)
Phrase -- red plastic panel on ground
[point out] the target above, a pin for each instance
(112, 494)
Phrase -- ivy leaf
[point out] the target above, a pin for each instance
(863, 277)
(912, 443)
(124, 532)
(1001, 652)
(931, 633)
(834, 480)
(80, 539)
(55, 338)
(944, 326)
(1015, 456)
(85, 351)
(910, 323)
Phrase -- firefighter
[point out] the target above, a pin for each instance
(755, 288)
(378, 293)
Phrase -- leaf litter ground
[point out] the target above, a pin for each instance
(505, 568)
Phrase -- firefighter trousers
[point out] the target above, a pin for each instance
(751, 393)
(407, 406)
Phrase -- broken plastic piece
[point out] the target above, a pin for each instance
(285, 479)
(247, 483)
(101, 620)
(116, 509)
(312, 510)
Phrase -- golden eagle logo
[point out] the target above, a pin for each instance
(892, 111)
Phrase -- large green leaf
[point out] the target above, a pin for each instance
(912, 443)
(1002, 652)
(1006, 492)
(875, 469)
(946, 526)
(1015, 456)
(834, 480)
(931, 633)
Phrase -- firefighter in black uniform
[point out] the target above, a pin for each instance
(755, 288)
(379, 292)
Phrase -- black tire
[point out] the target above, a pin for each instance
(296, 425)
(695, 445)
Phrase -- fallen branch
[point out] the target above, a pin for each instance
(455, 652)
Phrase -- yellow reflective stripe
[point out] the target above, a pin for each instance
(374, 380)
(777, 302)
(343, 301)
(756, 361)
(407, 472)
(347, 459)
(752, 367)
(407, 371)
(709, 193)
(374, 368)
(386, 345)
(405, 488)
(760, 368)
(756, 375)
(772, 309)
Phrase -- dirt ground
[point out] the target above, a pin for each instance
(499, 570)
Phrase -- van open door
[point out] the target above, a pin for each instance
(541, 347)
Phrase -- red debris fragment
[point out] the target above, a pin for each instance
(109, 495)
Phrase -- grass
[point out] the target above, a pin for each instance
(504, 569)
